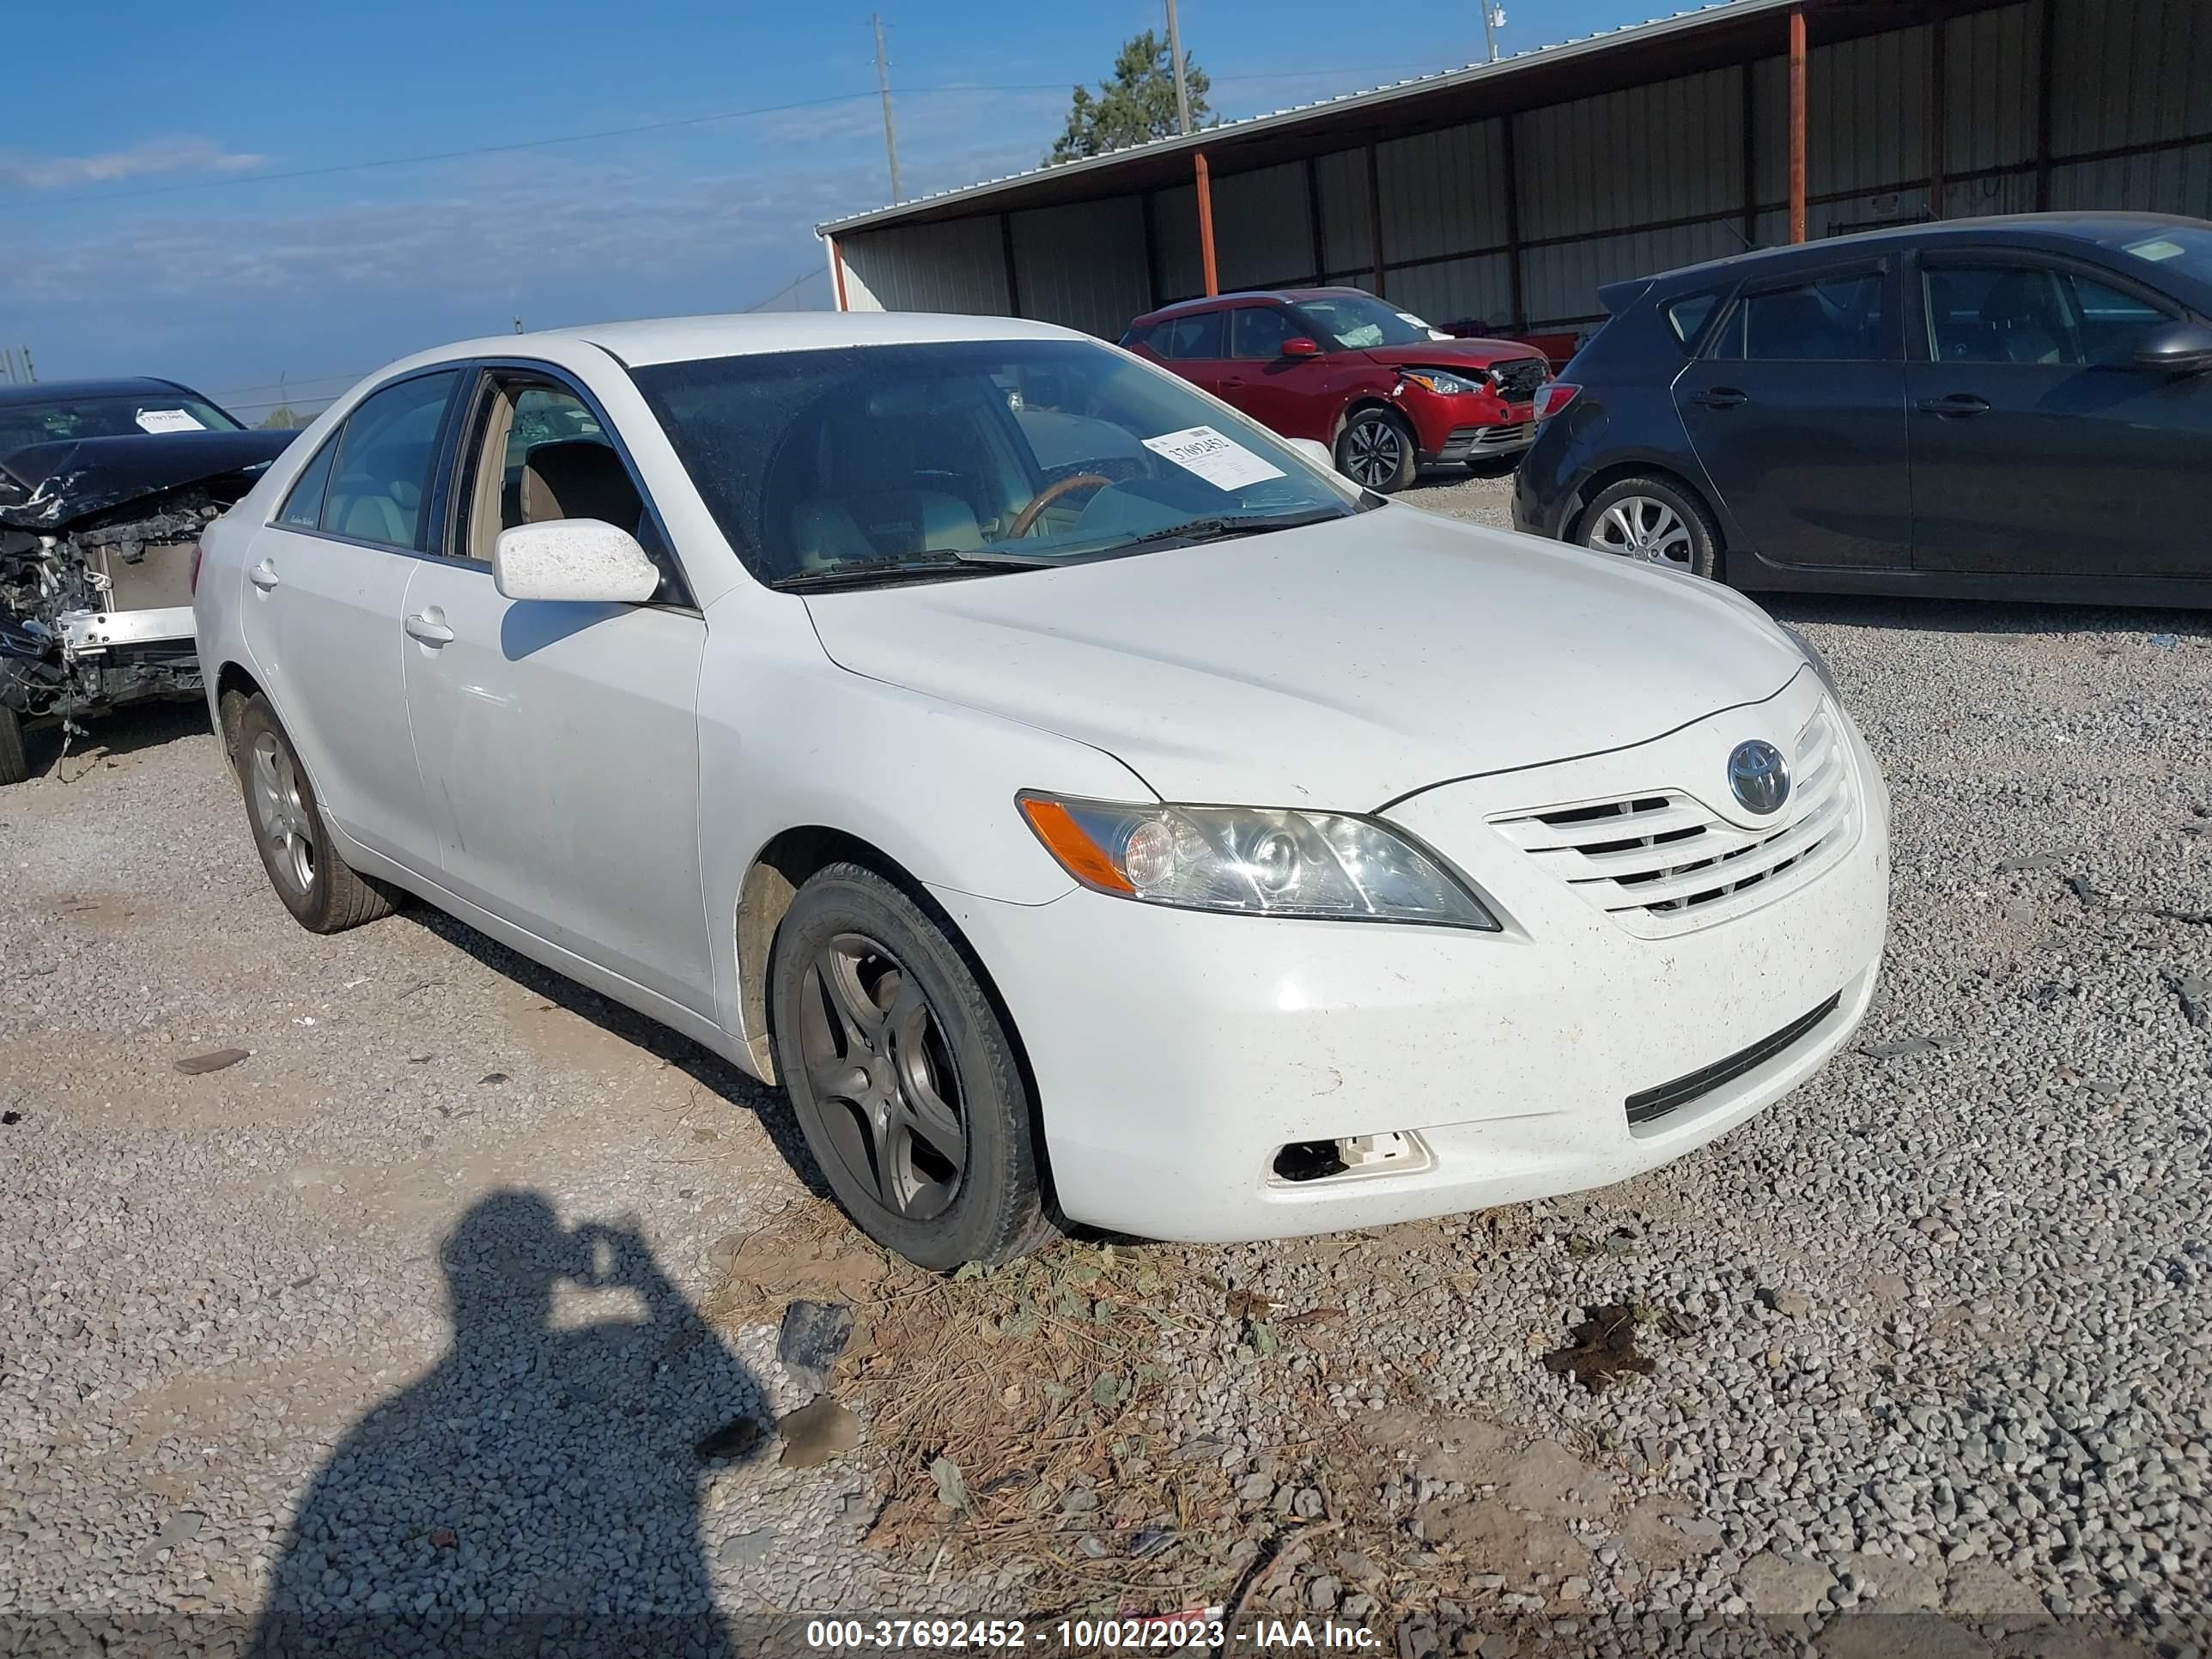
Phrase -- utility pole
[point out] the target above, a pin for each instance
(1182, 92)
(1493, 19)
(884, 85)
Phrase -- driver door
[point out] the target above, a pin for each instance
(1289, 395)
(559, 742)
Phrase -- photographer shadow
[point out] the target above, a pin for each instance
(538, 1490)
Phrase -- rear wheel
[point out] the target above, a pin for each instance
(902, 1075)
(1653, 520)
(324, 893)
(1377, 449)
(15, 764)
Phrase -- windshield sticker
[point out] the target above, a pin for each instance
(1222, 462)
(167, 420)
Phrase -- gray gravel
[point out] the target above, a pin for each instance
(398, 1316)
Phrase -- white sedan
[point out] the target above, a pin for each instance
(1088, 808)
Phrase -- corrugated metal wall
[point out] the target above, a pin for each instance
(1636, 180)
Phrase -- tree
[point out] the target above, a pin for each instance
(1136, 106)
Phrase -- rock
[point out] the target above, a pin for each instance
(1776, 1586)
(1896, 1586)
(1790, 1305)
(1256, 1488)
(214, 1059)
(814, 1333)
(815, 1433)
(1323, 1594)
(747, 1549)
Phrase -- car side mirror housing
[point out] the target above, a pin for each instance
(1299, 346)
(577, 561)
(2178, 348)
(1316, 452)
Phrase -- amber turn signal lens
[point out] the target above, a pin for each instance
(1079, 856)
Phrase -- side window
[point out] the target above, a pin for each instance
(540, 455)
(2112, 322)
(381, 478)
(1833, 319)
(1195, 336)
(2001, 311)
(1258, 332)
(1687, 316)
(303, 508)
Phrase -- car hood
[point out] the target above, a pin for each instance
(46, 486)
(1451, 353)
(1339, 666)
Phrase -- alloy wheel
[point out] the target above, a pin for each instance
(286, 824)
(1643, 528)
(883, 1077)
(1374, 451)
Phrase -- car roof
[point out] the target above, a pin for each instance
(49, 392)
(2018, 229)
(684, 339)
(1244, 296)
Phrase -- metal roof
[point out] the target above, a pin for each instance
(1634, 54)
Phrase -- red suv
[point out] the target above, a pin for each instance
(1384, 389)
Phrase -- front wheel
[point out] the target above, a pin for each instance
(1377, 449)
(1653, 521)
(15, 764)
(902, 1075)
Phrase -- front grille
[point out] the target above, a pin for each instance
(1651, 1104)
(1663, 863)
(1517, 381)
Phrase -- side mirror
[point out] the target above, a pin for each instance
(579, 561)
(1316, 452)
(2178, 348)
(1299, 346)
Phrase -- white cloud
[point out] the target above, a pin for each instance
(152, 158)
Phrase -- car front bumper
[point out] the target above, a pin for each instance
(1476, 443)
(1175, 1054)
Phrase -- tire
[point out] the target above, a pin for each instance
(1653, 520)
(902, 1075)
(324, 894)
(1377, 450)
(15, 764)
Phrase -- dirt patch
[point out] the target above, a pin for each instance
(1601, 1350)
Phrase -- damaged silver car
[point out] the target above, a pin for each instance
(105, 487)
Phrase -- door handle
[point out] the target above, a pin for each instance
(1232, 382)
(263, 575)
(430, 627)
(1959, 402)
(1720, 397)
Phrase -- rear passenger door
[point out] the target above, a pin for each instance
(1796, 410)
(327, 587)
(559, 742)
(2039, 446)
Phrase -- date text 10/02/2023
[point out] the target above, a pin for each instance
(1179, 1632)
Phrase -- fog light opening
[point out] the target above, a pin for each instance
(1391, 1153)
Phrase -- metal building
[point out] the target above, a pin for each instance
(1511, 191)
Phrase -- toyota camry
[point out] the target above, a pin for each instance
(1086, 806)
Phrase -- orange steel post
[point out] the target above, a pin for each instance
(1797, 123)
(1205, 222)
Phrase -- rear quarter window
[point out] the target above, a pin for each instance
(1686, 317)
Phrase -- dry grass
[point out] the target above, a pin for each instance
(1016, 1417)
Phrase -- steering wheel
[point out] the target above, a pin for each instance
(1026, 518)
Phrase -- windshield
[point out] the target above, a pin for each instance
(1355, 321)
(874, 460)
(2184, 248)
(107, 416)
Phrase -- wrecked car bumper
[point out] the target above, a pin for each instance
(1205, 1094)
(97, 540)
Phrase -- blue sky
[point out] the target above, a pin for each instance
(151, 227)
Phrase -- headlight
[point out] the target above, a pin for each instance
(1256, 861)
(1451, 386)
(1819, 663)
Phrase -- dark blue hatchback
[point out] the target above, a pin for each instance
(2007, 408)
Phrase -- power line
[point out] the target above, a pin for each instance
(236, 180)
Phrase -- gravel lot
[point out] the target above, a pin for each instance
(418, 1314)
